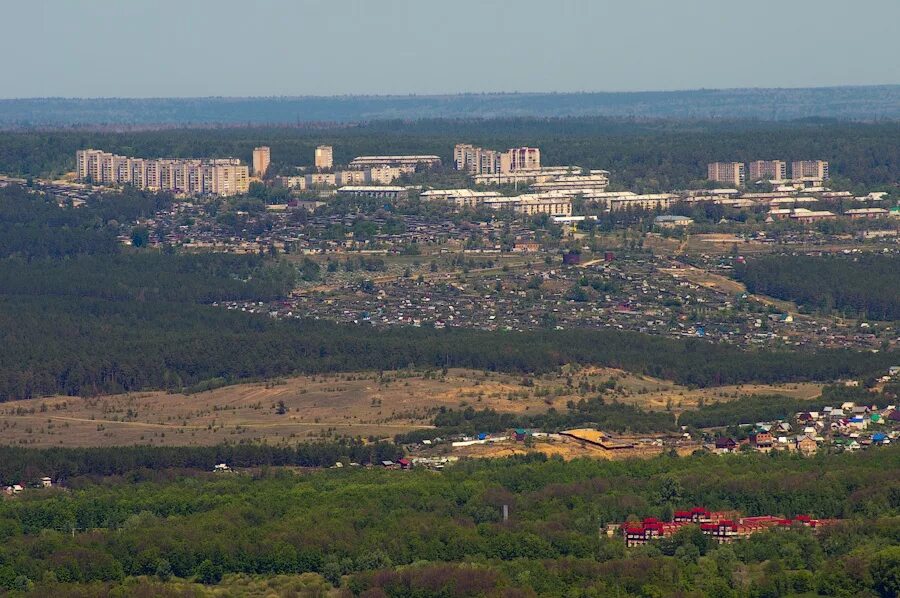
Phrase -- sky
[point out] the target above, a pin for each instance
(184, 48)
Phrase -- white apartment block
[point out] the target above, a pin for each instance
(222, 177)
(726, 172)
(809, 169)
(768, 170)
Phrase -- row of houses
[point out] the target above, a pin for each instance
(849, 426)
(14, 489)
(722, 526)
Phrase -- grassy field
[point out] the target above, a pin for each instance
(358, 404)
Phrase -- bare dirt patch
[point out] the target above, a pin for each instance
(364, 404)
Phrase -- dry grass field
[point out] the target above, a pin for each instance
(355, 404)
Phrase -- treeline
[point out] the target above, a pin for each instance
(374, 532)
(86, 346)
(748, 410)
(614, 416)
(145, 277)
(595, 411)
(33, 225)
(19, 464)
(642, 155)
(865, 286)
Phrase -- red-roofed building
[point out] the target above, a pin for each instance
(722, 526)
(722, 532)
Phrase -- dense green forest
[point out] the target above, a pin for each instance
(864, 286)
(642, 156)
(612, 416)
(83, 316)
(418, 533)
(86, 346)
(18, 464)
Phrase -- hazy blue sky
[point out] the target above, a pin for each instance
(143, 48)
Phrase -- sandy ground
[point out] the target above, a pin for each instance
(357, 404)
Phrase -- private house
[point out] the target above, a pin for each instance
(806, 445)
(726, 445)
(761, 440)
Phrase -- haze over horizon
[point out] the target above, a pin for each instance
(402, 47)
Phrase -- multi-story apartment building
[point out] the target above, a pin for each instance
(261, 158)
(531, 204)
(324, 157)
(363, 162)
(385, 175)
(477, 160)
(520, 158)
(462, 198)
(351, 177)
(221, 177)
(597, 180)
(320, 179)
(813, 169)
(341, 178)
(766, 170)
(726, 172)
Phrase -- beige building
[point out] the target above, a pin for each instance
(351, 177)
(520, 158)
(809, 169)
(532, 204)
(462, 198)
(261, 158)
(320, 179)
(480, 161)
(188, 176)
(385, 175)
(374, 192)
(324, 157)
(726, 172)
(597, 180)
(767, 170)
(292, 182)
(867, 213)
(363, 162)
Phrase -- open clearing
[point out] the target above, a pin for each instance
(364, 404)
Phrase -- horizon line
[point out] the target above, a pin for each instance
(448, 94)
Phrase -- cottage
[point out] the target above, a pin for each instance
(726, 445)
(806, 445)
(761, 440)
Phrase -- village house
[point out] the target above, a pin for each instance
(806, 445)
(726, 445)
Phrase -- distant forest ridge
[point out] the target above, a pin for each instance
(879, 102)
